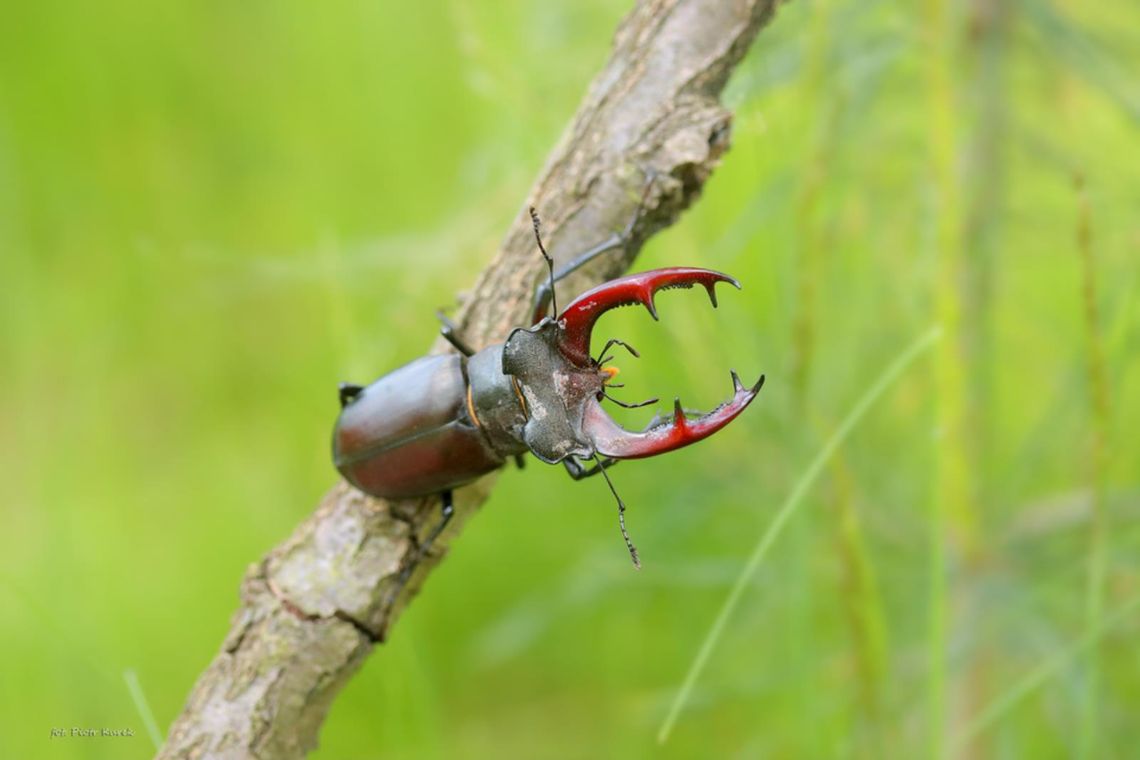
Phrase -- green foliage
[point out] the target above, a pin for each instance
(212, 213)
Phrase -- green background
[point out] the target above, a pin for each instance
(211, 213)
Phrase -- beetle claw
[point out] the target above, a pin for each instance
(578, 318)
(573, 422)
(679, 418)
(576, 323)
(612, 440)
(712, 295)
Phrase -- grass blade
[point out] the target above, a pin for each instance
(806, 480)
(139, 698)
(1039, 675)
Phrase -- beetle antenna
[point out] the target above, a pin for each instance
(621, 513)
(549, 260)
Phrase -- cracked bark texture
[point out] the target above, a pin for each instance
(318, 603)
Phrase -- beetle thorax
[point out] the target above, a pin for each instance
(555, 390)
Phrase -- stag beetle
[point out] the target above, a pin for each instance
(443, 421)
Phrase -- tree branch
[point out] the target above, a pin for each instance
(315, 606)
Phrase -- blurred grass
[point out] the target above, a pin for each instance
(787, 509)
(210, 214)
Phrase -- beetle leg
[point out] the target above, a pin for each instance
(544, 293)
(450, 332)
(347, 393)
(612, 440)
(447, 509)
(579, 317)
(578, 471)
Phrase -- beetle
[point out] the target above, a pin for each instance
(442, 421)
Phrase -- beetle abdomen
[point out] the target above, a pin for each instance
(410, 434)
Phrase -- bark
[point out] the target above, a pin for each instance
(317, 604)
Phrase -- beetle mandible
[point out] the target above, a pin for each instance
(442, 421)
